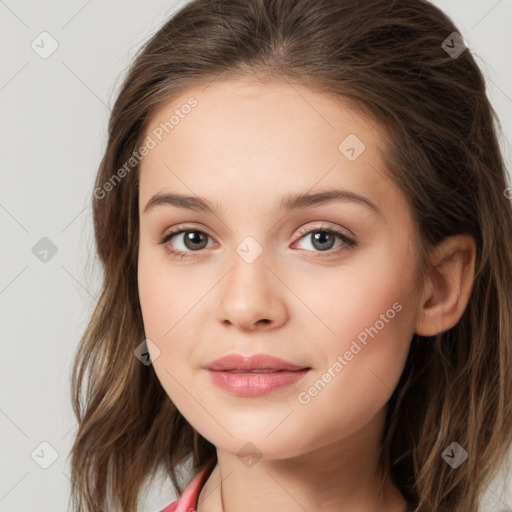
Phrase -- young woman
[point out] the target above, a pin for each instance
(304, 223)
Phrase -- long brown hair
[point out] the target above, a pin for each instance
(389, 60)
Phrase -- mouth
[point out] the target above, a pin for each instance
(254, 375)
(259, 371)
(257, 382)
(256, 363)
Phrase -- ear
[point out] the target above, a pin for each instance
(448, 285)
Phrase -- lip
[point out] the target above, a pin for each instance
(252, 362)
(233, 373)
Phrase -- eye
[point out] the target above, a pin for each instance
(323, 237)
(194, 240)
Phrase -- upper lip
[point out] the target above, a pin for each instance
(252, 362)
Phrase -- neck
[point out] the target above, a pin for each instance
(341, 476)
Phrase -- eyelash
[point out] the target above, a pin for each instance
(348, 243)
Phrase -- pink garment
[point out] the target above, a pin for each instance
(187, 502)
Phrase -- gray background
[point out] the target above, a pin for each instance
(53, 128)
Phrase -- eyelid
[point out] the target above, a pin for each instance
(327, 226)
(348, 242)
(301, 231)
(180, 230)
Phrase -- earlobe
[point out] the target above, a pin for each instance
(448, 285)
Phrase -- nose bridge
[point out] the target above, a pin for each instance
(249, 274)
(250, 291)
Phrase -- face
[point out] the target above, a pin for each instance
(326, 283)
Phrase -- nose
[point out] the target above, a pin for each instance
(251, 296)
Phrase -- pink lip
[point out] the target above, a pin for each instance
(253, 362)
(223, 373)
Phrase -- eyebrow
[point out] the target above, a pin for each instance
(288, 202)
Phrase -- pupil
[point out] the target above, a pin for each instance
(194, 237)
(319, 236)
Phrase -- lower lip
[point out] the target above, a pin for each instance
(255, 384)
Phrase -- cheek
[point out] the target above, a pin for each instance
(343, 302)
(164, 295)
(154, 303)
(361, 344)
(167, 299)
(158, 306)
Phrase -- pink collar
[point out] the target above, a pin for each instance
(187, 502)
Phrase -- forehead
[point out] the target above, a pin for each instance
(253, 138)
(241, 106)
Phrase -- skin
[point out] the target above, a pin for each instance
(243, 147)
